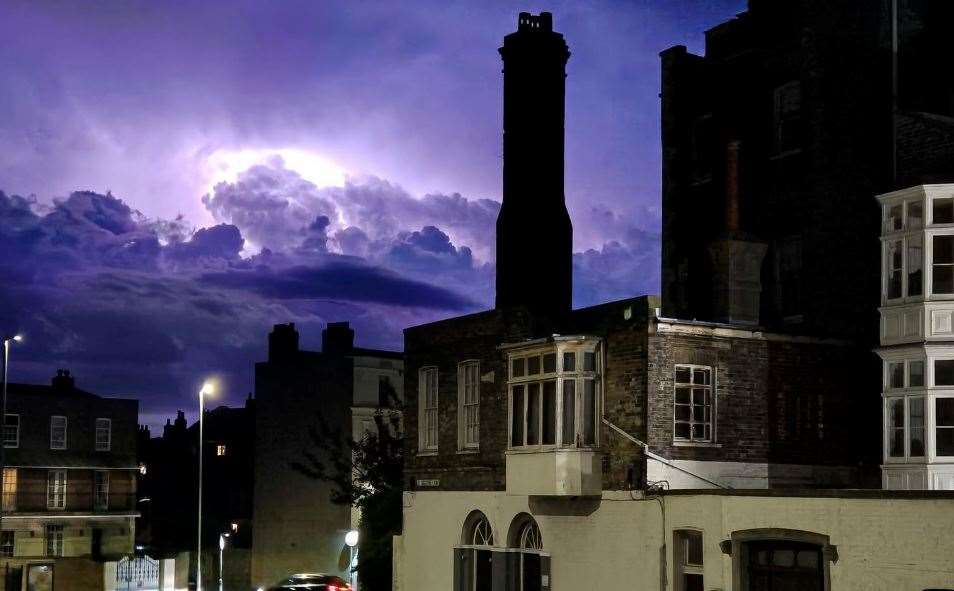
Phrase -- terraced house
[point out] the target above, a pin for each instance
(69, 485)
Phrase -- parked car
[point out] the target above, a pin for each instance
(312, 582)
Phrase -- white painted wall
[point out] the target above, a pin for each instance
(886, 544)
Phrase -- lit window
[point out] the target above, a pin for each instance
(57, 432)
(688, 554)
(468, 408)
(220, 450)
(693, 404)
(427, 401)
(103, 434)
(56, 489)
(11, 431)
(142, 469)
(54, 540)
(9, 489)
(553, 406)
(101, 490)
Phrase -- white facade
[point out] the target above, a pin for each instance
(917, 337)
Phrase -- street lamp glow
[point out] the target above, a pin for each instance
(18, 337)
(351, 538)
(208, 388)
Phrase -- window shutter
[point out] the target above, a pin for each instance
(545, 584)
(506, 571)
(462, 562)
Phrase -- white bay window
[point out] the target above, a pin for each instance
(554, 394)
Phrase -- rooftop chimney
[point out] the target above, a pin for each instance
(337, 338)
(736, 259)
(282, 342)
(63, 381)
(534, 233)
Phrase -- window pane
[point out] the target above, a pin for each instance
(693, 545)
(569, 412)
(11, 431)
(896, 374)
(916, 422)
(549, 363)
(682, 375)
(915, 215)
(894, 269)
(944, 411)
(569, 361)
(683, 395)
(700, 376)
(916, 374)
(682, 430)
(915, 266)
(533, 366)
(895, 220)
(682, 412)
(942, 280)
(589, 361)
(944, 372)
(549, 413)
(943, 211)
(516, 432)
(533, 414)
(692, 582)
(945, 441)
(589, 412)
(896, 428)
(517, 368)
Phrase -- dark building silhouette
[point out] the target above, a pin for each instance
(168, 489)
(534, 233)
(296, 526)
(774, 142)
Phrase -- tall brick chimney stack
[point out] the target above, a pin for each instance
(282, 342)
(736, 259)
(534, 233)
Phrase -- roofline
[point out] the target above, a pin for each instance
(834, 493)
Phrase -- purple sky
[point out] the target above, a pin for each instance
(357, 142)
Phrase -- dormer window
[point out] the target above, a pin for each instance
(554, 394)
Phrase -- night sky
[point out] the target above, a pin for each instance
(176, 177)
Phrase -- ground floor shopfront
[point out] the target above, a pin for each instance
(677, 541)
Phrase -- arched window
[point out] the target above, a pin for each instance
(533, 563)
(473, 559)
(477, 530)
(529, 537)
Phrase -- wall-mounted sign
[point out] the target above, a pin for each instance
(423, 483)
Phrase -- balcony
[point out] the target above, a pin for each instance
(570, 472)
(41, 503)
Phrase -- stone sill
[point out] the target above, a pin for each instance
(703, 444)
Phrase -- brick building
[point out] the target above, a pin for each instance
(69, 484)
(295, 526)
(546, 447)
(796, 115)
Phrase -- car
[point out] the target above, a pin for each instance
(312, 582)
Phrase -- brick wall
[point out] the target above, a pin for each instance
(776, 401)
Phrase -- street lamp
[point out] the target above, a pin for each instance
(207, 390)
(221, 563)
(3, 415)
(351, 539)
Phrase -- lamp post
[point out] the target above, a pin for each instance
(3, 419)
(221, 555)
(351, 539)
(206, 390)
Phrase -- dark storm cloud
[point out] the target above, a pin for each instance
(130, 302)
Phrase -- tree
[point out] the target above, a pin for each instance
(369, 478)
